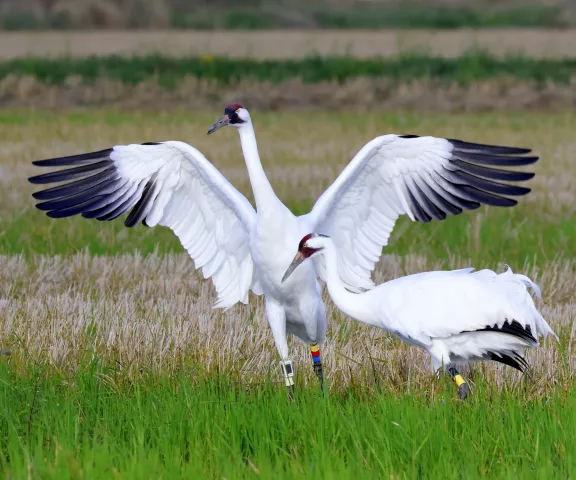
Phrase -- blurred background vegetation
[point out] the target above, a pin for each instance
(274, 14)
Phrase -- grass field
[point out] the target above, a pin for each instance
(114, 365)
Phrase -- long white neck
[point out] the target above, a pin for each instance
(351, 304)
(264, 195)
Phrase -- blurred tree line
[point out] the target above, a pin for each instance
(273, 14)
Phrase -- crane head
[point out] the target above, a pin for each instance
(310, 245)
(235, 115)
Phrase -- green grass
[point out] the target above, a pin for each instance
(97, 426)
(167, 71)
(522, 239)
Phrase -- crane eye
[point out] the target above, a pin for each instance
(237, 110)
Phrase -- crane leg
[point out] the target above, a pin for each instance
(459, 381)
(317, 359)
(277, 319)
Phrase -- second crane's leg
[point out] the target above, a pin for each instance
(277, 319)
(317, 361)
(459, 381)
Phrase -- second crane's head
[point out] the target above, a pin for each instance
(312, 244)
(235, 115)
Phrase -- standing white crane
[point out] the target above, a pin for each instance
(174, 185)
(457, 316)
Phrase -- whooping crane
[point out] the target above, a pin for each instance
(172, 184)
(457, 316)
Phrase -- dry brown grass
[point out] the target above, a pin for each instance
(500, 94)
(290, 44)
(154, 314)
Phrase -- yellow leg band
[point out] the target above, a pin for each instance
(459, 380)
(314, 347)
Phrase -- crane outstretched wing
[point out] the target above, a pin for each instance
(164, 183)
(422, 177)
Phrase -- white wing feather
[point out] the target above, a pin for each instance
(170, 184)
(422, 177)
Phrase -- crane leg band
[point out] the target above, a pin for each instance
(459, 380)
(288, 372)
(315, 350)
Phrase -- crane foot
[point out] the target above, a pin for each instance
(463, 391)
(459, 381)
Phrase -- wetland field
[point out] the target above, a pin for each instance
(113, 363)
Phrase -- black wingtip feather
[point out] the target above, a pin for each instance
(92, 187)
(427, 203)
(419, 214)
(493, 173)
(73, 173)
(471, 180)
(490, 186)
(74, 159)
(513, 328)
(138, 212)
(489, 198)
(491, 159)
(485, 148)
(514, 361)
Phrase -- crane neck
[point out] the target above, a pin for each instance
(351, 304)
(264, 195)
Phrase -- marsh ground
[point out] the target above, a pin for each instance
(115, 365)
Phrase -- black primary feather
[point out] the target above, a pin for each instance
(470, 182)
(425, 202)
(142, 208)
(514, 361)
(92, 187)
(74, 159)
(513, 328)
(442, 202)
(484, 148)
(73, 173)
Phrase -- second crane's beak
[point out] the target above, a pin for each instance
(219, 124)
(298, 259)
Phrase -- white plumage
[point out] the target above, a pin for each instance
(174, 185)
(457, 316)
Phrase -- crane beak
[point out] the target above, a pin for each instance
(219, 124)
(298, 259)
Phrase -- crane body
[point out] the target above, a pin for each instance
(457, 316)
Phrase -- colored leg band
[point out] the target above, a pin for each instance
(459, 380)
(288, 372)
(315, 350)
